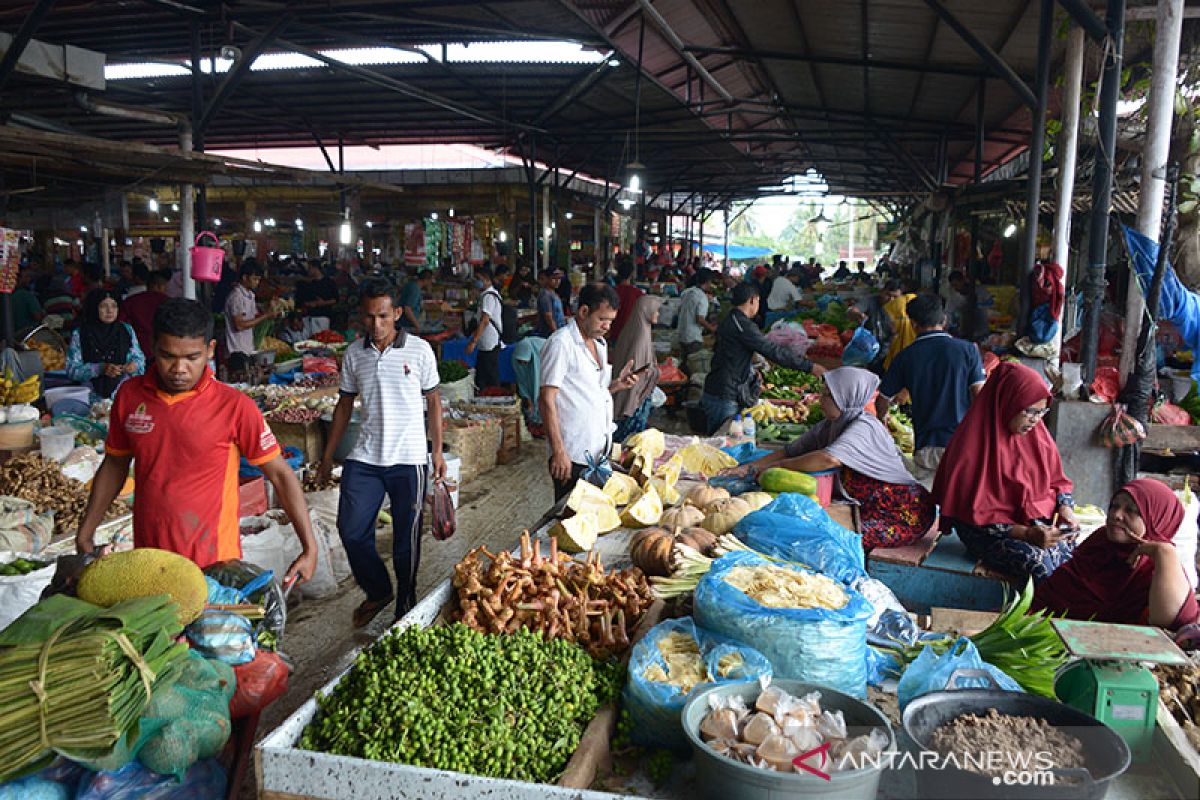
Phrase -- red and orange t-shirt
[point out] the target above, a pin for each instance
(186, 449)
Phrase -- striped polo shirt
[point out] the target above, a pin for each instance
(391, 386)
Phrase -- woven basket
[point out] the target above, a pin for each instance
(476, 442)
(508, 412)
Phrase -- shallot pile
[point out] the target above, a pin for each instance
(554, 595)
(297, 415)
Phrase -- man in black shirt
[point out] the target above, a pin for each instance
(317, 295)
(731, 384)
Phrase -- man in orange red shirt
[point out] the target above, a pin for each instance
(185, 433)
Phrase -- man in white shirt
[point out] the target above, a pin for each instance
(487, 331)
(577, 388)
(241, 316)
(785, 291)
(693, 315)
(395, 376)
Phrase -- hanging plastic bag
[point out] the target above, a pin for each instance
(1106, 386)
(442, 512)
(861, 350)
(1119, 429)
(795, 527)
(815, 645)
(655, 706)
(259, 683)
(930, 672)
(1042, 326)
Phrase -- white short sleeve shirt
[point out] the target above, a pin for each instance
(391, 386)
(585, 406)
(783, 292)
(694, 303)
(240, 303)
(489, 303)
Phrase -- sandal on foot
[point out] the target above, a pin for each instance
(369, 609)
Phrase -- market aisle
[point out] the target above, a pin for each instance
(493, 510)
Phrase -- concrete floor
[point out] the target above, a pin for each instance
(319, 638)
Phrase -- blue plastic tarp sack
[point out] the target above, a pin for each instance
(224, 636)
(1177, 304)
(745, 452)
(861, 350)
(59, 781)
(205, 780)
(816, 645)
(292, 455)
(654, 707)
(930, 672)
(794, 527)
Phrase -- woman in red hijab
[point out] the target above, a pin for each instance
(1001, 485)
(1128, 572)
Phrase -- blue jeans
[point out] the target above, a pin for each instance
(717, 410)
(362, 491)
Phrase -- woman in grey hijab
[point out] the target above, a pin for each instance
(894, 509)
(631, 407)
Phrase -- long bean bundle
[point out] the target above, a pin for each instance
(75, 677)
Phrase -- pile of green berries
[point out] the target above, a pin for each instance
(504, 706)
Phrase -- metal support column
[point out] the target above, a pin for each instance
(201, 203)
(187, 223)
(972, 269)
(1037, 146)
(546, 228)
(1160, 109)
(725, 265)
(1068, 148)
(1102, 180)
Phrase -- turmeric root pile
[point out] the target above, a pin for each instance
(554, 595)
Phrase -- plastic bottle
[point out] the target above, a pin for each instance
(735, 428)
(749, 429)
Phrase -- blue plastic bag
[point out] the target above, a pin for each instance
(861, 350)
(881, 665)
(655, 708)
(292, 455)
(224, 636)
(816, 645)
(930, 672)
(58, 781)
(205, 780)
(794, 527)
(745, 452)
(734, 485)
(1042, 326)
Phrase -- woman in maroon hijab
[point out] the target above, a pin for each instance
(1001, 485)
(1128, 572)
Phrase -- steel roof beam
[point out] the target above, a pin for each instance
(239, 72)
(21, 39)
(677, 44)
(1086, 18)
(576, 90)
(989, 56)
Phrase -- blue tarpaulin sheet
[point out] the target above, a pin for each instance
(1178, 304)
(738, 252)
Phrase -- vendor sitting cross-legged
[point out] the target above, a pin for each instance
(894, 509)
(1001, 485)
(1129, 571)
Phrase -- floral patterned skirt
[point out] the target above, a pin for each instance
(891, 514)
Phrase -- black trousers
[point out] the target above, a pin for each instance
(487, 368)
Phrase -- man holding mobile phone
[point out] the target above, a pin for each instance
(577, 391)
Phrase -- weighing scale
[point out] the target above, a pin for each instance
(1110, 682)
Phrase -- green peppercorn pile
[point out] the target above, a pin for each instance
(448, 697)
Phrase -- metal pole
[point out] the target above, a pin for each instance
(546, 228)
(1037, 146)
(1068, 147)
(980, 102)
(532, 252)
(725, 265)
(850, 244)
(1102, 189)
(1168, 27)
(187, 223)
(201, 209)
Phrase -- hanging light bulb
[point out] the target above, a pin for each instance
(257, 226)
(569, 215)
(345, 235)
(370, 224)
(166, 219)
(450, 212)
(83, 228)
(217, 222)
(1010, 230)
(503, 236)
(174, 206)
(153, 204)
(635, 183)
(433, 215)
(299, 224)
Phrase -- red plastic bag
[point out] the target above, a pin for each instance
(1107, 384)
(319, 364)
(259, 683)
(1170, 414)
(1119, 429)
(443, 522)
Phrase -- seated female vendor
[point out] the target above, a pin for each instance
(1129, 571)
(1001, 485)
(894, 509)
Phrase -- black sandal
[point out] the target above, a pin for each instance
(369, 609)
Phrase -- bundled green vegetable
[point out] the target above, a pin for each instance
(803, 382)
(451, 371)
(502, 705)
(1024, 645)
(75, 677)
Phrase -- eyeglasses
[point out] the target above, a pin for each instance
(1035, 413)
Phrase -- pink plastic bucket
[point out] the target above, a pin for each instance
(206, 261)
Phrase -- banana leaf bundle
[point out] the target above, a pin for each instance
(75, 677)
